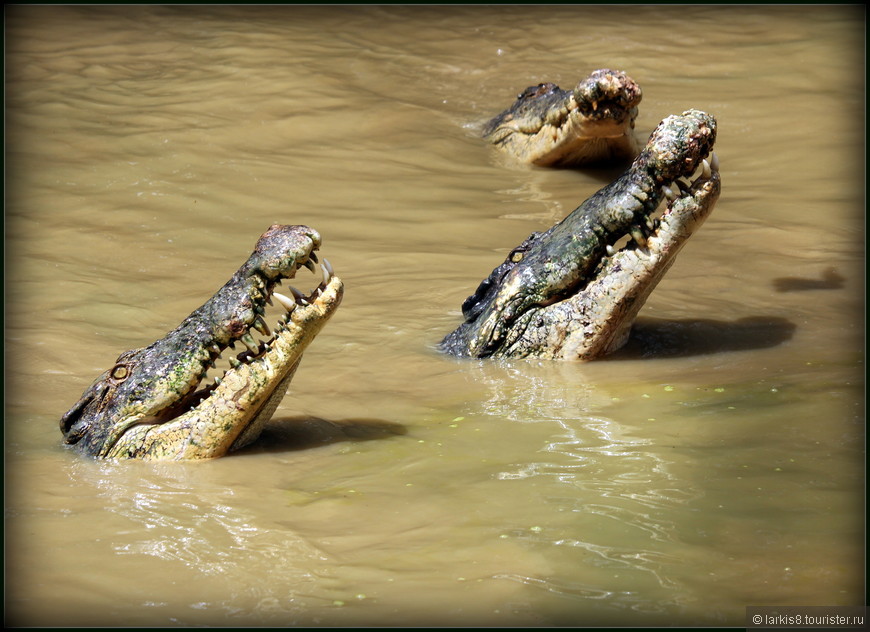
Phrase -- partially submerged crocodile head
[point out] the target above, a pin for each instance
(591, 124)
(571, 292)
(152, 404)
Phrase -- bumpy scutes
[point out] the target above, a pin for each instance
(572, 292)
(152, 404)
(591, 124)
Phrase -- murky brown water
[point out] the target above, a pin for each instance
(147, 148)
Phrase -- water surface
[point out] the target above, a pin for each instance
(717, 463)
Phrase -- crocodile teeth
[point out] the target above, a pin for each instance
(313, 257)
(706, 166)
(326, 274)
(250, 343)
(310, 265)
(234, 362)
(328, 267)
(286, 302)
(669, 193)
(299, 296)
(610, 250)
(638, 236)
(261, 326)
(714, 161)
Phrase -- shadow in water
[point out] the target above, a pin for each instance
(301, 433)
(830, 280)
(660, 338)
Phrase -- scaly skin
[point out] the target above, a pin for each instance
(591, 124)
(147, 405)
(565, 293)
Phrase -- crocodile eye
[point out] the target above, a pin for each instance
(516, 256)
(120, 372)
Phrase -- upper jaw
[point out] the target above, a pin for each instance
(608, 94)
(604, 94)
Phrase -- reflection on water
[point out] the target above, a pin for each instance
(716, 462)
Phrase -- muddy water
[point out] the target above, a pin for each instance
(716, 464)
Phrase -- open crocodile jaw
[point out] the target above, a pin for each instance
(597, 320)
(563, 293)
(150, 406)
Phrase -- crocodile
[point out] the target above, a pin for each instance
(591, 124)
(573, 292)
(157, 403)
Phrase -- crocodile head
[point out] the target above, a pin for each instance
(574, 291)
(593, 123)
(153, 403)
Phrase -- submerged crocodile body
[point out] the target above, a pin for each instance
(151, 404)
(591, 124)
(570, 292)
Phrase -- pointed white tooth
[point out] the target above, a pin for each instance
(313, 257)
(714, 161)
(328, 267)
(670, 193)
(326, 275)
(310, 265)
(286, 302)
(649, 223)
(706, 166)
(610, 250)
